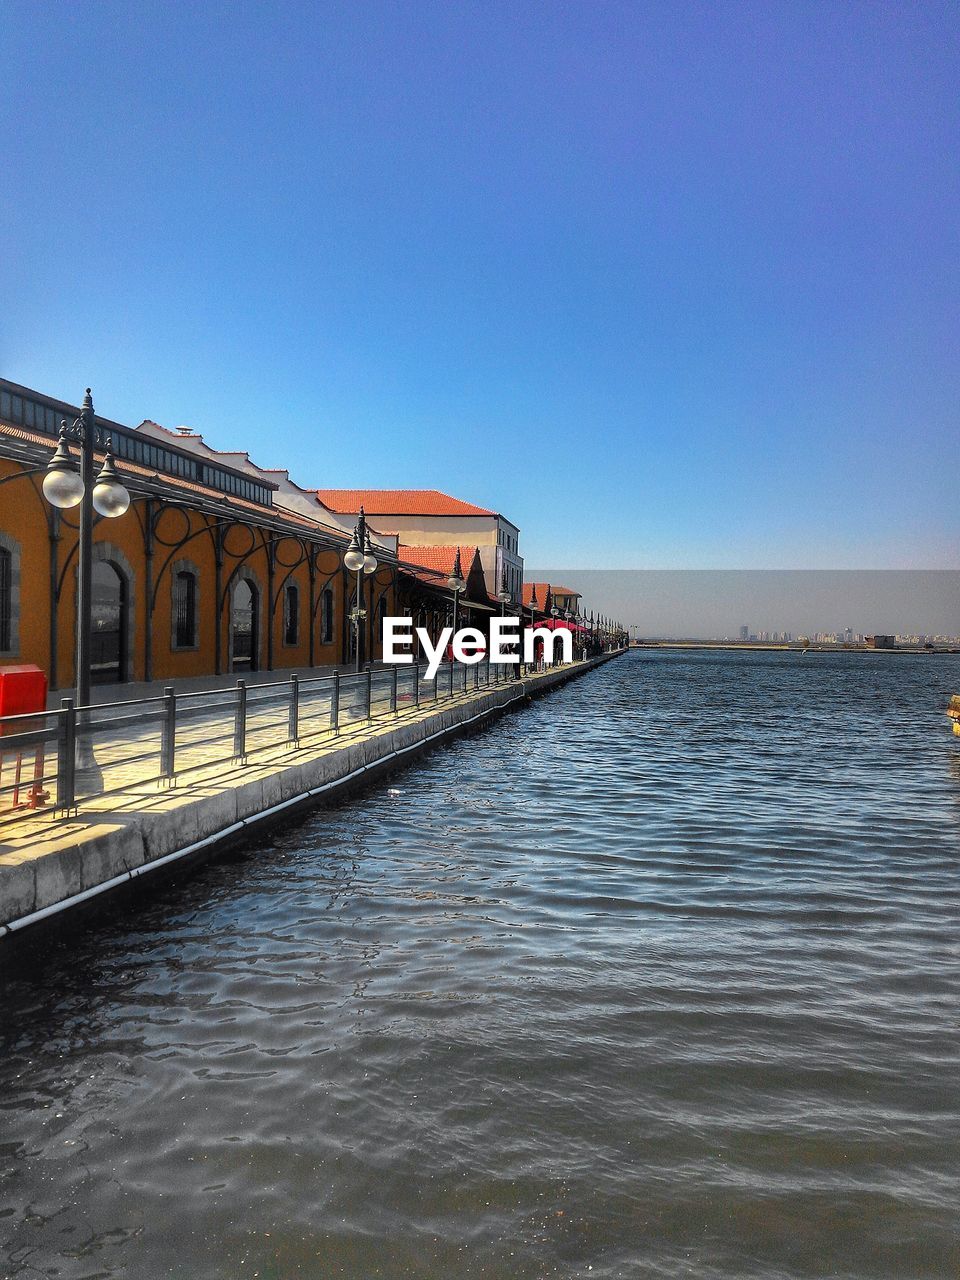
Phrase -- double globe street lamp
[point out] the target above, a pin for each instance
(66, 486)
(359, 558)
(505, 597)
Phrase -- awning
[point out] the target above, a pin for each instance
(558, 624)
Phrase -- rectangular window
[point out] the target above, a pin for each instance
(185, 610)
(4, 404)
(6, 597)
(326, 617)
(291, 615)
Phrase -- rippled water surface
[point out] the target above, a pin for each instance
(658, 977)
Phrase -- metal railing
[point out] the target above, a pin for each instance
(54, 761)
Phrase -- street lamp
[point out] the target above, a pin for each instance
(64, 486)
(503, 595)
(533, 611)
(578, 622)
(360, 559)
(370, 561)
(457, 583)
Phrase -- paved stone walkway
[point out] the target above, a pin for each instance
(120, 745)
(46, 859)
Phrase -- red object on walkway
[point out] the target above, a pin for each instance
(23, 689)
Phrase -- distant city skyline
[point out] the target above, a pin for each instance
(712, 604)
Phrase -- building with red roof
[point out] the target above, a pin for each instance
(429, 518)
(558, 597)
(398, 502)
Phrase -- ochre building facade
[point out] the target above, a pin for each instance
(204, 574)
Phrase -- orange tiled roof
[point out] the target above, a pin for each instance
(438, 558)
(398, 502)
(542, 589)
(434, 565)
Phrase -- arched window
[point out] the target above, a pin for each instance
(185, 609)
(245, 626)
(109, 623)
(6, 600)
(291, 614)
(326, 616)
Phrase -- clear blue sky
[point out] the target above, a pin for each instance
(671, 285)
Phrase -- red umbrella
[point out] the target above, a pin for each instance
(559, 624)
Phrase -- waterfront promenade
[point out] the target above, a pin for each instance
(237, 764)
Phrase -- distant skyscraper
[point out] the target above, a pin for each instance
(744, 633)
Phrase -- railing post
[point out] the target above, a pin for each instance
(168, 733)
(450, 692)
(393, 690)
(369, 692)
(67, 754)
(240, 722)
(476, 676)
(416, 684)
(293, 713)
(335, 703)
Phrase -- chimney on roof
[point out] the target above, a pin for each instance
(184, 431)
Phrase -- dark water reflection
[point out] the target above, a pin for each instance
(657, 978)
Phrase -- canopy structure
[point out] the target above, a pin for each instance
(559, 624)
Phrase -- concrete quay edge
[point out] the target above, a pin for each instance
(148, 829)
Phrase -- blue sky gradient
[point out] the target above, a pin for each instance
(671, 285)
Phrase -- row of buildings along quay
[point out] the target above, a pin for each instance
(223, 566)
(218, 629)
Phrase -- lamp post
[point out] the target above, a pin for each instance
(64, 487)
(359, 558)
(457, 583)
(533, 609)
(504, 596)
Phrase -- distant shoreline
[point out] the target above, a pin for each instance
(786, 648)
